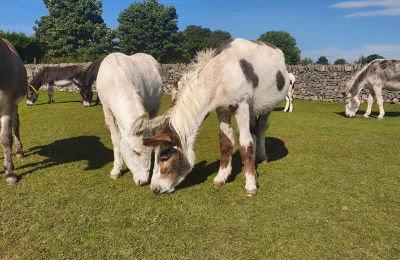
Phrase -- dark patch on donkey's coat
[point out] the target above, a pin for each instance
(222, 47)
(280, 80)
(249, 73)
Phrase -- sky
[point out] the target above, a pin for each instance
(332, 28)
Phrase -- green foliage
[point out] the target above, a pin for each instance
(339, 200)
(27, 47)
(74, 31)
(322, 60)
(373, 57)
(285, 42)
(196, 38)
(151, 28)
(340, 62)
(306, 61)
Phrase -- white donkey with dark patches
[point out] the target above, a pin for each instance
(377, 76)
(129, 86)
(13, 87)
(289, 97)
(241, 78)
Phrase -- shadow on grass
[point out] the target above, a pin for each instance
(374, 114)
(81, 148)
(276, 150)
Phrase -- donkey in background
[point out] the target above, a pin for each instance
(90, 77)
(289, 97)
(378, 75)
(54, 76)
(13, 82)
(241, 78)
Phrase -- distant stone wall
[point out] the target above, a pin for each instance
(313, 82)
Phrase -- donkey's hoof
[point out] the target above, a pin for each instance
(380, 117)
(251, 193)
(365, 116)
(219, 184)
(115, 176)
(20, 155)
(11, 180)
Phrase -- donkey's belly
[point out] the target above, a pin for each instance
(62, 83)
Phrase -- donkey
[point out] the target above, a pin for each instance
(289, 97)
(129, 86)
(378, 75)
(86, 88)
(54, 76)
(241, 78)
(13, 85)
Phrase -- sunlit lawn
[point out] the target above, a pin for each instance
(330, 190)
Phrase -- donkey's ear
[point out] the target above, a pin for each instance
(140, 124)
(161, 139)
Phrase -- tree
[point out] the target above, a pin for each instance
(306, 61)
(28, 48)
(340, 62)
(285, 42)
(74, 31)
(196, 38)
(322, 60)
(373, 57)
(151, 28)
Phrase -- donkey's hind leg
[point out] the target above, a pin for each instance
(262, 126)
(7, 142)
(246, 148)
(15, 125)
(51, 94)
(116, 140)
(226, 142)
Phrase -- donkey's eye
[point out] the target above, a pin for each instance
(166, 154)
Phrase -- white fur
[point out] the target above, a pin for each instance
(129, 86)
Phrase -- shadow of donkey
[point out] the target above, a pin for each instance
(88, 148)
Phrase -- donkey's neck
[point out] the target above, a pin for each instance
(187, 116)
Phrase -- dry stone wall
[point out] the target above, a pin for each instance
(313, 82)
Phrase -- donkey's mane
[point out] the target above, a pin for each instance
(10, 46)
(187, 108)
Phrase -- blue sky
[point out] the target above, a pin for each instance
(335, 29)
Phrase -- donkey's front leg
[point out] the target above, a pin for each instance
(370, 102)
(7, 142)
(116, 140)
(226, 142)
(246, 148)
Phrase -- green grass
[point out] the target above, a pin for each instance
(330, 190)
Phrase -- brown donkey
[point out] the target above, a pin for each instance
(13, 87)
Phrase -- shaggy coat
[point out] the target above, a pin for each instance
(129, 86)
(378, 75)
(241, 78)
(13, 85)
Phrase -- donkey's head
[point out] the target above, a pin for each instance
(351, 101)
(172, 163)
(87, 95)
(31, 95)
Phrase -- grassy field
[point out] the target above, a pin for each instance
(331, 190)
